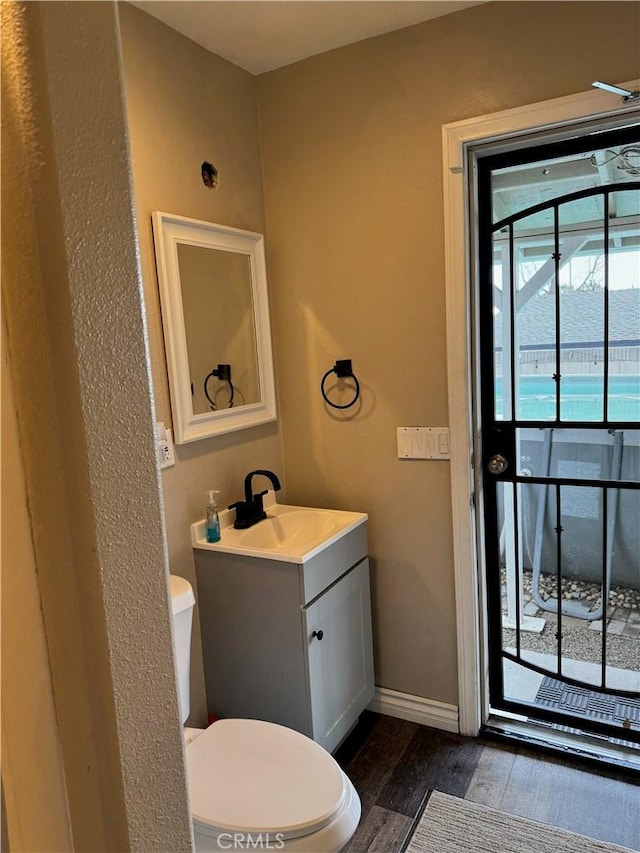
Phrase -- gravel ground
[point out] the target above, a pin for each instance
(582, 639)
(579, 643)
(578, 590)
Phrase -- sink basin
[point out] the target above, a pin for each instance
(289, 533)
(290, 529)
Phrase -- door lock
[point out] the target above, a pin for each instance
(497, 464)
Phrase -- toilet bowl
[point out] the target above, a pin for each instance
(256, 785)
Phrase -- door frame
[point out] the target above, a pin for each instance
(462, 363)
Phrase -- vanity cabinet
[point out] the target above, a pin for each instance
(289, 642)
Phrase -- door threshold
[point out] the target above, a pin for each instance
(583, 747)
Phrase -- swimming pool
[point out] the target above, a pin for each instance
(581, 398)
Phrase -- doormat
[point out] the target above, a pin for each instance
(589, 705)
(451, 825)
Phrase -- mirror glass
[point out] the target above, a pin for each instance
(217, 304)
(213, 293)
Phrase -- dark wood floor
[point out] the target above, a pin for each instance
(394, 764)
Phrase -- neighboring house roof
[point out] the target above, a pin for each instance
(581, 319)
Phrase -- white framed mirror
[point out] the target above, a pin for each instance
(215, 317)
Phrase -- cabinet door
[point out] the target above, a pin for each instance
(341, 658)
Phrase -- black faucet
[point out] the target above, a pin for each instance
(250, 511)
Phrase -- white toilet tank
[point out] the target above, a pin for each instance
(182, 601)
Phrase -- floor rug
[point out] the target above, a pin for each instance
(451, 825)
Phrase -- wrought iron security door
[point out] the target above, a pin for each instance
(559, 402)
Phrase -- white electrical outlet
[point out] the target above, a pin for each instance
(164, 446)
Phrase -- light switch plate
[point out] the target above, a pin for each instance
(423, 442)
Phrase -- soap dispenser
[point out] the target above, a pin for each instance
(213, 521)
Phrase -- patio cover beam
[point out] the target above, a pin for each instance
(569, 247)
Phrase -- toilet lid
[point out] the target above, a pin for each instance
(257, 777)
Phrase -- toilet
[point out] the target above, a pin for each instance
(258, 785)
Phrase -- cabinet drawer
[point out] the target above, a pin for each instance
(327, 566)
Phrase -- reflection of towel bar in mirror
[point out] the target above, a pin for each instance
(213, 294)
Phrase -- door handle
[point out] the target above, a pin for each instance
(319, 634)
(497, 464)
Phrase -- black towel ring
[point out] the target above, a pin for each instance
(222, 372)
(342, 369)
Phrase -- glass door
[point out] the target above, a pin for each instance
(559, 403)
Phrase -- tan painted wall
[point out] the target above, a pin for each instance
(32, 772)
(76, 339)
(353, 187)
(186, 105)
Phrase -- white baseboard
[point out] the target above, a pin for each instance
(417, 709)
